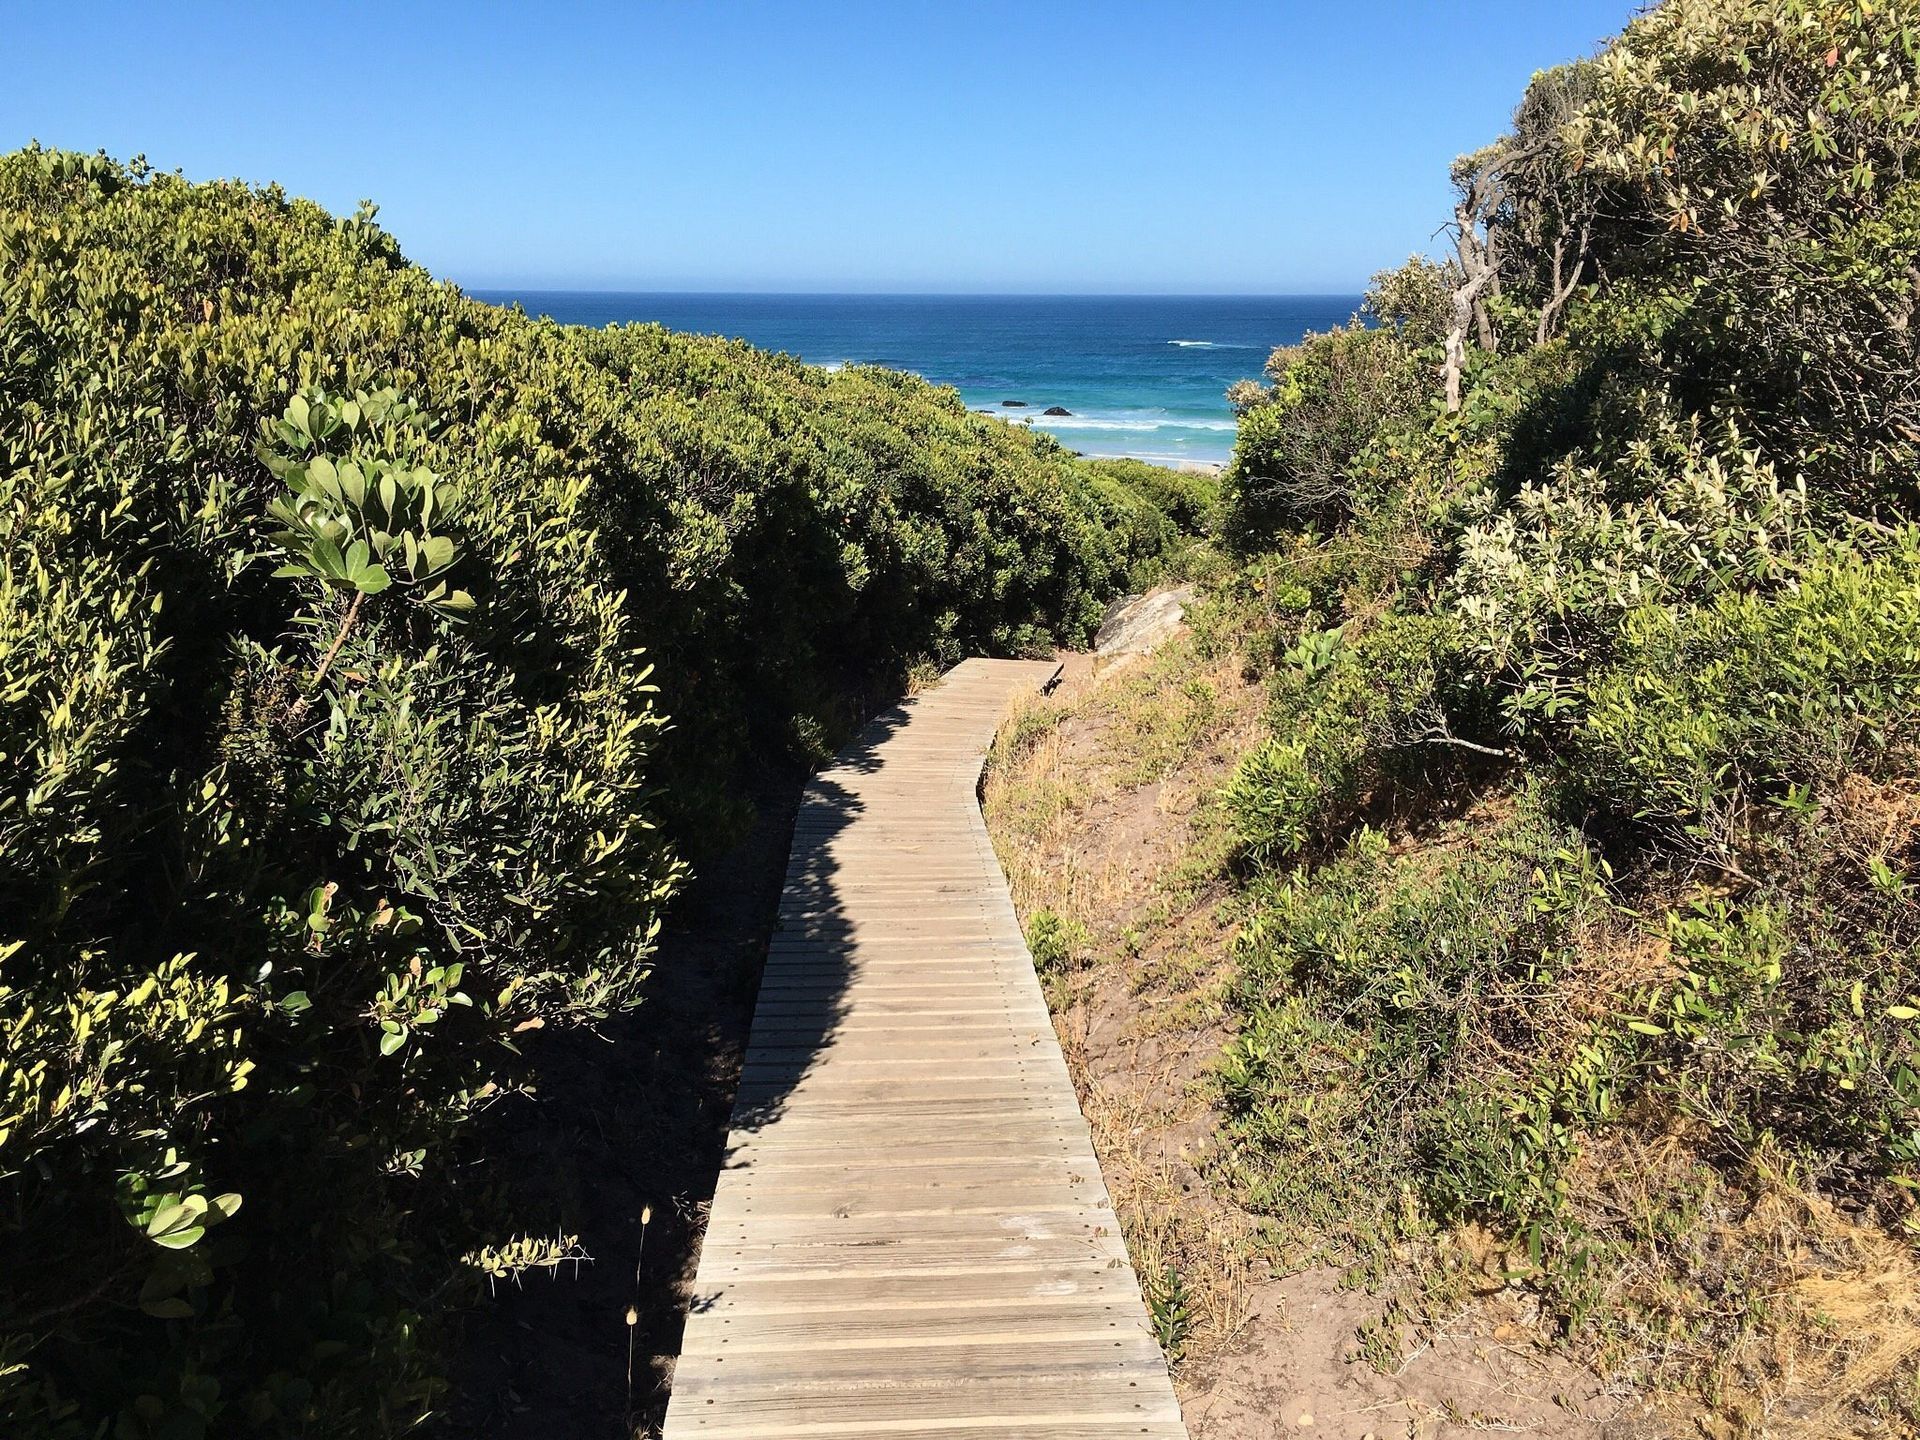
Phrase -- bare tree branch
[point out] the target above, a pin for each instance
(1563, 292)
(1443, 737)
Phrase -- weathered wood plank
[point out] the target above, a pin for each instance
(876, 1369)
(1085, 1319)
(1030, 1287)
(1081, 1395)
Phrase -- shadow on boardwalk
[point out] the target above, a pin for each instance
(636, 1115)
(807, 1009)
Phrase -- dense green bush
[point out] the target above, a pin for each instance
(332, 610)
(1338, 706)
(1301, 454)
(1750, 161)
(1187, 498)
(1753, 698)
(1395, 1004)
(1588, 572)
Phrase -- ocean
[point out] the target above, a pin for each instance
(1141, 375)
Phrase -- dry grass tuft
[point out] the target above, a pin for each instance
(1100, 802)
(1787, 1318)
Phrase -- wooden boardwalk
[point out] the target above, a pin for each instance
(911, 1237)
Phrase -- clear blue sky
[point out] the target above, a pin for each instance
(1213, 145)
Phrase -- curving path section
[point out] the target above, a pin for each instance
(911, 1236)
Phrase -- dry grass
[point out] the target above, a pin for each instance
(1746, 1308)
(1099, 799)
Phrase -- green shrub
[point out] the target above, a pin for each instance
(1187, 498)
(1055, 941)
(334, 755)
(1545, 579)
(1773, 1031)
(1708, 711)
(1394, 1009)
(1752, 159)
(1340, 711)
(1303, 444)
(1658, 558)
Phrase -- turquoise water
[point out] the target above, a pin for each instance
(1142, 375)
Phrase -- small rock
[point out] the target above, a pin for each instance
(1056, 410)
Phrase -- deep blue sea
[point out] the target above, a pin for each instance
(1143, 375)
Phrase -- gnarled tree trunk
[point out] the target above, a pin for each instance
(1477, 271)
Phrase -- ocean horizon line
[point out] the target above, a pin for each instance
(512, 291)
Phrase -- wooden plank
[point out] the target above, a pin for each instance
(1030, 1287)
(877, 1368)
(1041, 1427)
(886, 1136)
(911, 1236)
(745, 1152)
(1081, 1319)
(833, 1210)
(895, 1230)
(911, 1093)
(928, 1059)
(937, 1179)
(725, 1260)
(1078, 1394)
(828, 989)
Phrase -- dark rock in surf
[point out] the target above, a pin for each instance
(1056, 410)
